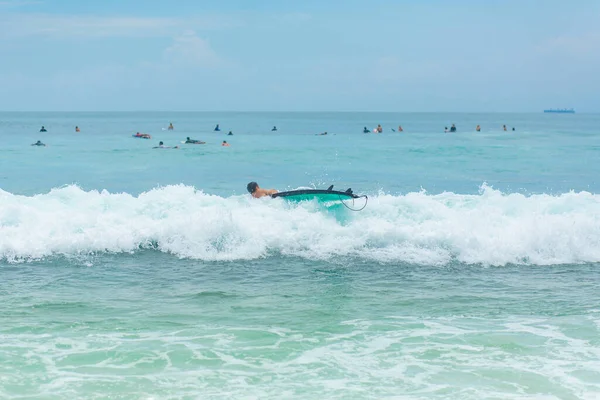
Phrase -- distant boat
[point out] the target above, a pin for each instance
(561, 111)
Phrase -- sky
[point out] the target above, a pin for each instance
(404, 56)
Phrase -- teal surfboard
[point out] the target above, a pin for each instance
(321, 195)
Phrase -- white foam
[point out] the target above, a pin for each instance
(490, 228)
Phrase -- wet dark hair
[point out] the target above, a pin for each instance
(252, 186)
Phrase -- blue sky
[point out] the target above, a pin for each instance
(492, 55)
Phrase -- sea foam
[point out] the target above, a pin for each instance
(490, 228)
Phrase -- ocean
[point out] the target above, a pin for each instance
(128, 272)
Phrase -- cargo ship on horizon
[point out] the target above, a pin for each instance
(561, 111)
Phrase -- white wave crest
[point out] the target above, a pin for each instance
(491, 228)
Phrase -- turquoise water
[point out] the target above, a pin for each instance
(136, 273)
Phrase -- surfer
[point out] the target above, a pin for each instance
(161, 145)
(453, 128)
(400, 128)
(225, 144)
(193, 141)
(170, 126)
(274, 129)
(257, 192)
(77, 129)
(504, 127)
(217, 129)
(230, 133)
(321, 134)
(365, 130)
(513, 129)
(38, 143)
(142, 135)
(43, 129)
(379, 129)
(445, 129)
(478, 128)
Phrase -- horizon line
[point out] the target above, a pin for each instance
(287, 111)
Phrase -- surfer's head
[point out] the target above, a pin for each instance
(252, 186)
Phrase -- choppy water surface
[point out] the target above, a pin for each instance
(139, 273)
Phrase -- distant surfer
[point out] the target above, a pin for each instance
(161, 145)
(400, 128)
(274, 129)
(478, 128)
(504, 127)
(453, 128)
(379, 129)
(321, 134)
(77, 129)
(38, 143)
(257, 192)
(170, 126)
(230, 133)
(193, 141)
(43, 129)
(365, 130)
(513, 129)
(445, 129)
(142, 136)
(217, 129)
(225, 144)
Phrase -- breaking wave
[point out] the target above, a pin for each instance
(490, 228)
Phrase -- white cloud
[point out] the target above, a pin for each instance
(587, 44)
(189, 49)
(14, 25)
(18, 3)
(293, 18)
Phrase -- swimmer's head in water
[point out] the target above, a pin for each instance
(252, 186)
(188, 138)
(160, 143)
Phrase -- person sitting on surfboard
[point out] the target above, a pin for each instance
(170, 126)
(217, 129)
(257, 192)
